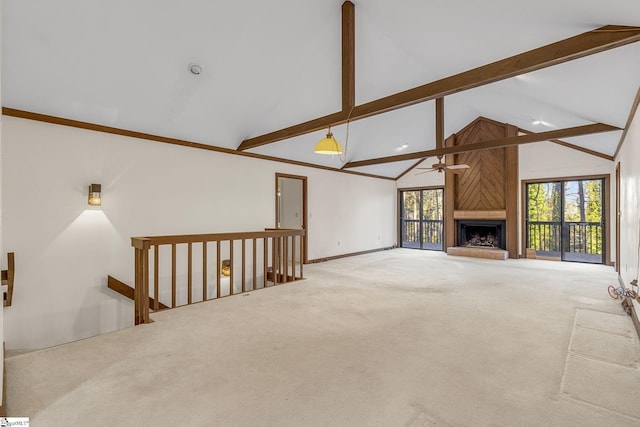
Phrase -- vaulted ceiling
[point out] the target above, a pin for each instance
(271, 65)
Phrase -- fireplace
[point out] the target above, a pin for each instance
(486, 234)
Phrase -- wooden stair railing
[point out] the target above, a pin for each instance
(127, 291)
(7, 279)
(274, 256)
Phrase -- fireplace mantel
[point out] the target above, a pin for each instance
(492, 214)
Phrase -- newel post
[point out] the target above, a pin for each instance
(141, 293)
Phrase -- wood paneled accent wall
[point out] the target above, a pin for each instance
(491, 182)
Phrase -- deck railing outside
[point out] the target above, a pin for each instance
(191, 265)
(431, 233)
(580, 237)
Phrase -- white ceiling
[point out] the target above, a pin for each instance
(273, 64)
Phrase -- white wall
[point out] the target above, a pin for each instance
(549, 160)
(629, 158)
(64, 252)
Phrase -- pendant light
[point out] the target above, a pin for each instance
(328, 145)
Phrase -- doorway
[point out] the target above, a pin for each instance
(291, 204)
(566, 219)
(422, 218)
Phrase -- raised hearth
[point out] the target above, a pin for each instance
(478, 253)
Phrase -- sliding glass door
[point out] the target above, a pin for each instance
(565, 219)
(422, 218)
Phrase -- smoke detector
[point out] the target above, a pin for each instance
(195, 69)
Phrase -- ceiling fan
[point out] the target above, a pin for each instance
(442, 167)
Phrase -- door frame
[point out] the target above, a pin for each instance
(304, 209)
(399, 213)
(606, 210)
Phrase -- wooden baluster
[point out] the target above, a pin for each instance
(173, 275)
(232, 267)
(204, 271)
(218, 268)
(8, 278)
(144, 297)
(156, 282)
(255, 260)
(189, 272)
(137, 284)
(301, 256)
(285, 257)
(243, 265)
(141, 281)
(293, 257)
(265, 249)
(274, 259)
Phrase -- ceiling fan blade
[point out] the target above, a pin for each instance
(426, 170)
(458, 167)
(455, 171)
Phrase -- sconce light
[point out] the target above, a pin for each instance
(95, 198)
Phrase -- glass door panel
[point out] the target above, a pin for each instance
(432, 219)
(583, 221)
(422, 219)
(544, 218)
(411, 219)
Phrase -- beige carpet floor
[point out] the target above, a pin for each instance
(394, 338)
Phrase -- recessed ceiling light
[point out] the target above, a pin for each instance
(195, 69)
(541, 123)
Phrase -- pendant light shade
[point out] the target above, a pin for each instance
(328, 145)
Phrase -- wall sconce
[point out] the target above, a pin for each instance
(95, 199)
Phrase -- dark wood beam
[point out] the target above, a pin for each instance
(321, 123)
(585, 44)
(28, 115)
(439, 122)
(348, 57)
(487, 145)
(573, 146)
(410, 169)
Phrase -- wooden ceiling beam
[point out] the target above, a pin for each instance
(439, 122)
(573, 146)
(585, 44)
(348, 57)
(487, 145)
